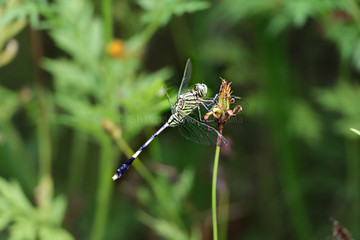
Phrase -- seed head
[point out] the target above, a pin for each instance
(222, 111)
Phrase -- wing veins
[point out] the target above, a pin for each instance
(186, 77)
(199, 132)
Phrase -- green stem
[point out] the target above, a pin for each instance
(224, 196)
(104, 189)
(213, 192)
(77, 161)
(44, 137)
(277, 84)
(353, 180)
(45, 154)
(108, 23)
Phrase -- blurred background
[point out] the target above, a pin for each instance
(81, 88)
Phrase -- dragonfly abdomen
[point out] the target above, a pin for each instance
(175, 119)
(125, 166)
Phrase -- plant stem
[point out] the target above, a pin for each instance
(108, 23)
(45, 153)
(45, 186)
(224, 196)
(277, 85)
(213, 193)
(77, 161)
(353, 179)
(214, 181)
(104, 188)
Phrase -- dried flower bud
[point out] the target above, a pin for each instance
(111, 128)
(222, 111)
(25, 95)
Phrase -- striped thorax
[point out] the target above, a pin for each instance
(186, 103)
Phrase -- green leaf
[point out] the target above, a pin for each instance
(9, 104)
(78, 32)
(183, 186)
(13, 195)
(347, 38)
(278, 23)
(161, 11)
(54, 233)
(164, 228)
(143, 101)
(70, 77)
(58, 209)
(344, 98)
(190, 7)
(5, 218)
(23, 229)
(304, 122)
(26, 221)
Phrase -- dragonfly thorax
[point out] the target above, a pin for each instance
(200, 89)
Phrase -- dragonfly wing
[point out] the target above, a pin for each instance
(200, 132)
(170, 102)
(186, 78)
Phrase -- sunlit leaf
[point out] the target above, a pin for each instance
(355, 131)
(23, 229)
(24, 220)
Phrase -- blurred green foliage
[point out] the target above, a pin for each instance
(26, 221)
(71, 106)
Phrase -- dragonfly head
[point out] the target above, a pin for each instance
(200, 89)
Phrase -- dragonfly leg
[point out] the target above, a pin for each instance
(199, 114)
(167, 95)
(212, 103)
(208, 103)
(206, 107)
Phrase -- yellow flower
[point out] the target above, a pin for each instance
(116, 48)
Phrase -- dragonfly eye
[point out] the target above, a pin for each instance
(201, 89)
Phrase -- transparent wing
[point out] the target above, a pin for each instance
(186, 78)
(200, 132)
(170, 102)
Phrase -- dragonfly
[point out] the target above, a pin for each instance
(189, 127)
